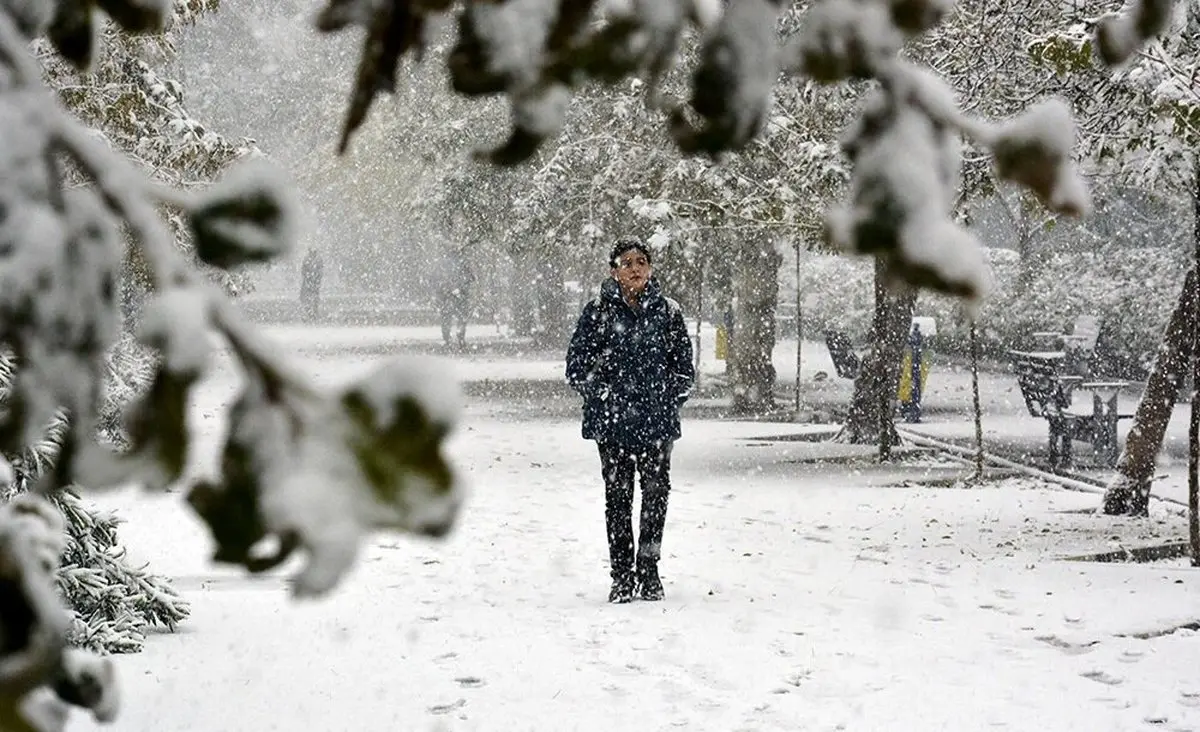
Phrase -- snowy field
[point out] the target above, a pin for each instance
(801, 595)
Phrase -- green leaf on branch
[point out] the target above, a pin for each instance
(400, 455)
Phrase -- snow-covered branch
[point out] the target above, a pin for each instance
(308, 469)
(905, 148)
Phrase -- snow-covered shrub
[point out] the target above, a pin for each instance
(111, 603)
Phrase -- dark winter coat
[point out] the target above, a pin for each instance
(633, 366)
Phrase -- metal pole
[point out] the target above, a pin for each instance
(699, 319)
(799, 328)
(1194, 422)
(975, 402)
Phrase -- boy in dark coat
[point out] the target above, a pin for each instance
(631, 360)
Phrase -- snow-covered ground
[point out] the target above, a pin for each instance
(801, 595)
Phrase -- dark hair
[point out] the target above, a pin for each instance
(623, 245)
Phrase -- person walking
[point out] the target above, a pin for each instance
(455, 296)
(630, 358)
(311, 272)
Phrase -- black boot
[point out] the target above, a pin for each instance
(649, 585)
(622, 588)
(654, 510)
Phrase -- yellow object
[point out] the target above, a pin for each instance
(904, 390)
(722, 343)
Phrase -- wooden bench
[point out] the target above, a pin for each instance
(1078, 346)
(1049, 394)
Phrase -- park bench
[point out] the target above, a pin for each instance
(1050, 394)
(1078, 346)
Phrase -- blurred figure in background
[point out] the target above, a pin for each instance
(454, 296)
(312, 269)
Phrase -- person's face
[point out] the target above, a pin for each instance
(632, 271)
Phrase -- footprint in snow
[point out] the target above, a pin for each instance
(1189, 698)
(1103, 678)
(1067, 647)
(616, 690)
(447, 708)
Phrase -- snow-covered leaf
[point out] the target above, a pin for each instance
(156, 429)
(316, 475)
(88, 680)
(393, 30)
(31, 543)
(1034, 149)
(177, 323)
(248, 216)
(399, 417)
(844, 39)
(537, 113)
(1118, 35)
(731, 88)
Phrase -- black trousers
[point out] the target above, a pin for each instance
(618, 464)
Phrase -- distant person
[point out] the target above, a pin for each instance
(631, 360)
(311, 271)
(455, 298)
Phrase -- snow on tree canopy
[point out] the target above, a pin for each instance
(536, 51)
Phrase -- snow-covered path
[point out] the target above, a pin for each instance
(800, 596)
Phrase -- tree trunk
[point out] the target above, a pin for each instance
(1194, 422)
(552, 321)
(1129, 490)
(1025, 251)
(523, 296)
(975, 401)
(874, 404)
(756, 287)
